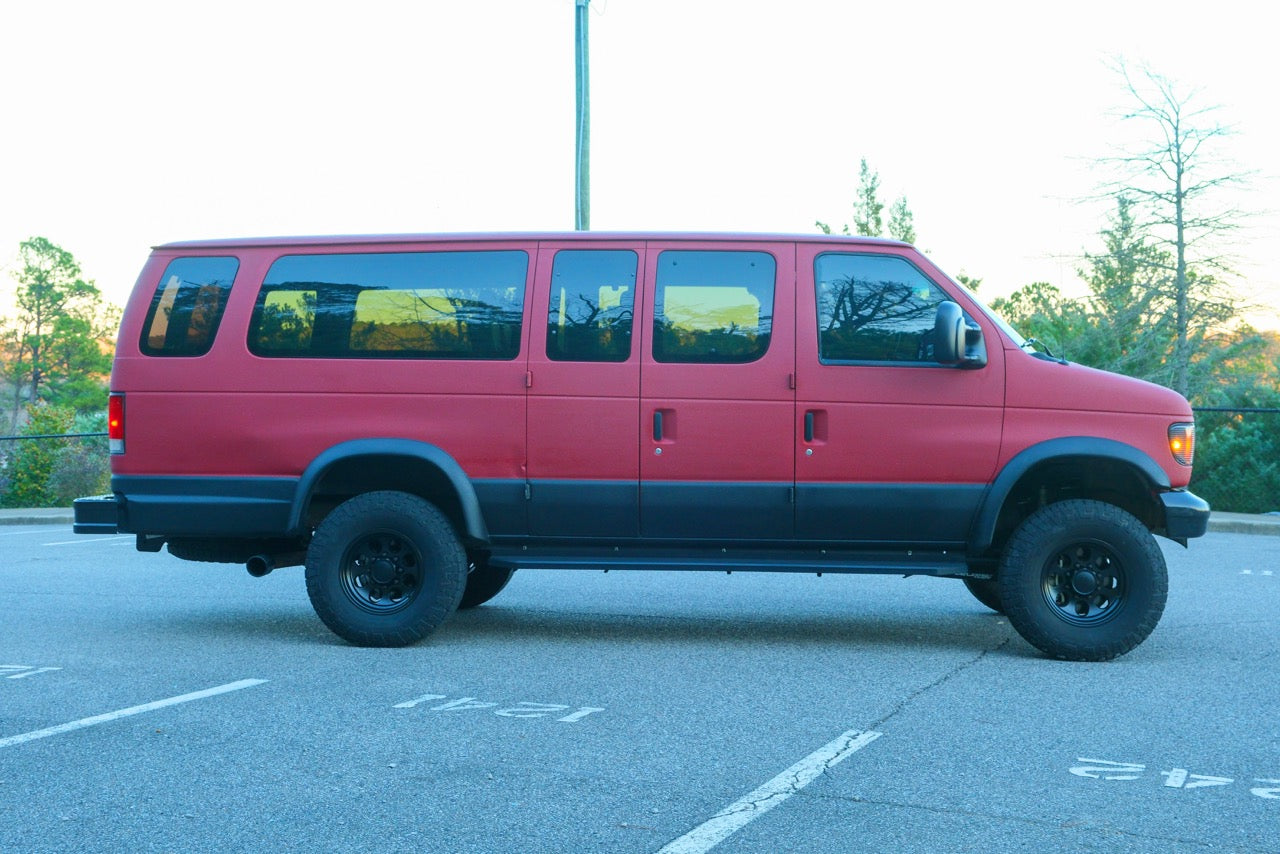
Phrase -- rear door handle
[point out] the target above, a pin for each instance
(657, 425)
(808, 426)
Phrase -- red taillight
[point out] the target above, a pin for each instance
(115, 423)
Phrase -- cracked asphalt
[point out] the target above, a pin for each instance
(617, 712)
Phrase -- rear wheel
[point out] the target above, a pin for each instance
(385, 569)
(1083, 581)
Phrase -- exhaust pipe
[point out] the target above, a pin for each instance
(260, 565)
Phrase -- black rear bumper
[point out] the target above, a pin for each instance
(97, 515)
(189, 507)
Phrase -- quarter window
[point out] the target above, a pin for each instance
(439, 305)
(874, 308)
(590, 312)
(187, 306)
(714, 307)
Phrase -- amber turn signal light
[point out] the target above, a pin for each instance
(1182, 442)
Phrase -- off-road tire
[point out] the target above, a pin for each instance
(385, 569)
(1083, 581)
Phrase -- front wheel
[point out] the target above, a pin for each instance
(385, 569)
(1083, 581)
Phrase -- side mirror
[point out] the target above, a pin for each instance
(948, 334)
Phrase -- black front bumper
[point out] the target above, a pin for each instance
(1185, 515)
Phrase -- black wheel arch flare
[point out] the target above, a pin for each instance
(404, 455)
(1073, 450)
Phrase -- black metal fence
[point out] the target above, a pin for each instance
(1237, 463)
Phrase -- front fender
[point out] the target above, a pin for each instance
(983, 531)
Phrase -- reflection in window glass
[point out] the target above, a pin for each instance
(187, 306)
(874, 308)
(713, 306)
(443, 305)
(589, 313)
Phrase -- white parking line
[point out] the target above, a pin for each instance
(82, 540)
(124, 713)
(746, 809)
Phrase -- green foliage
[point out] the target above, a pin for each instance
(57, 345)
(867, 207)
(868, 211)
(902, 221)
(1237, 465)
(1062, 324)
(32, 463)
(82, 467)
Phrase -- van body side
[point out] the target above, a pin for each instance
(691, 401)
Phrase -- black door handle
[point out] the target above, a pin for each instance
(808, 426)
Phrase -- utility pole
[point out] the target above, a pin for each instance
(582, 174)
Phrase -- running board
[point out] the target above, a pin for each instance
(883, 563)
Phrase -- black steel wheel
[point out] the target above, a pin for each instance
(382, 572)
(1083, 580)
(483, 582)
(385, 569)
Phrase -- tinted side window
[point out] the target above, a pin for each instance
(438, 305)
(713, 306)
(874, 308)
(589, 314)
(187, 306)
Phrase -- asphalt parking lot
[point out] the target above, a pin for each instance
(148, 704)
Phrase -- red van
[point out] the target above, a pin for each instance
(416, 417)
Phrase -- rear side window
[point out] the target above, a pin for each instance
(874, 308)
(713, 307)
(187, 306)
(590, 310)
(427, 305)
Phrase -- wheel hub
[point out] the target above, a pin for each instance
(1084, 583)
(382, 571)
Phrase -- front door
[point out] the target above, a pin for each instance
(892, 447)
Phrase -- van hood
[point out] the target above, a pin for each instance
(1036, 383)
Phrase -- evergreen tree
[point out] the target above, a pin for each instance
(58, 343)
(902, 221)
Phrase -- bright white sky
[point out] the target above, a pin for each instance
(129, 123)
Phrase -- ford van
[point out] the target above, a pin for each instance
(415, 418)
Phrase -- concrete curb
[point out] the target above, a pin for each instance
(1244, 523)
(39, 516)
